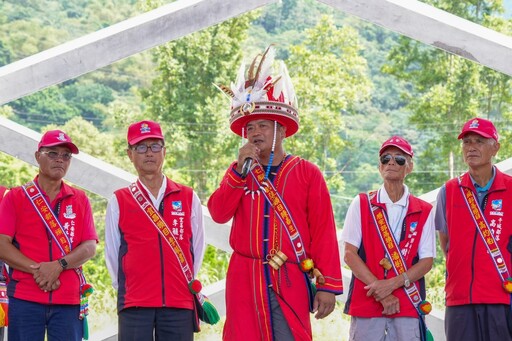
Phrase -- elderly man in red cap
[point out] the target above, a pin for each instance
(46, 235)
(474, 219)
(285, 260)
(154, 246)
(389, 240)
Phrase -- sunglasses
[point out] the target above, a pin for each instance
(54, 155)
(399, 159)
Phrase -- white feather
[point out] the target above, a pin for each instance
(265, 66)
(278, 86)
(288, 89)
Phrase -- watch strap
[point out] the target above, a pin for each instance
(407, 281)
(63, 263)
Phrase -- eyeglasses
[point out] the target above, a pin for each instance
(54, 155)
(399, 159)
(143, 148)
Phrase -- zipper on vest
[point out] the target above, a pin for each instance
(162, 269)
(472, 268)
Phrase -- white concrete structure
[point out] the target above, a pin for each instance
(408, 17)
(96, 50)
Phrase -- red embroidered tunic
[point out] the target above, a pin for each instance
(249, 278)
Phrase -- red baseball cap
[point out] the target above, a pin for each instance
(399, 142)
(481, 127)
(57, 138)
(144, 130)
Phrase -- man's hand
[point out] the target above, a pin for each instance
(382, 288)
(248, 150)
(391, 305)
(323, 304)
(46, 275)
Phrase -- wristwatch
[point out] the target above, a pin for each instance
(407, 282)
(63, 263)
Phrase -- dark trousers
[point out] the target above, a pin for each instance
(160, 324)
(478, 322)
(280, 326)
(29, 321)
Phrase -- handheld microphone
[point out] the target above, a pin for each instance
(246, 167)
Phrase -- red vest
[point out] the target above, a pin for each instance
(472, 277)
(149, 272)
(358, 303)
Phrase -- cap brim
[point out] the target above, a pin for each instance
(487, 136)
(72, 147)
(145, 137)
(394, 145)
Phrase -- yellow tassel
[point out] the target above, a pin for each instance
(2, 316)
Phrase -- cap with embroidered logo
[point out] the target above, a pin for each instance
(399, 142)
(54, 138)
(144, 130)
(481, 127)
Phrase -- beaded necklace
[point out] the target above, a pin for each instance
(271, 159)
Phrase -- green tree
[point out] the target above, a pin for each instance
(193, 112)
(330, 78)
(446, 91)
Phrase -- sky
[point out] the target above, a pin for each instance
(508, 8)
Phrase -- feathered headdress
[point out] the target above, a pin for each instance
(262, 96)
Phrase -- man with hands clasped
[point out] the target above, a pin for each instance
(389, 246)
(47, 233)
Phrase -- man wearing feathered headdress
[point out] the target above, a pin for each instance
(285, 261)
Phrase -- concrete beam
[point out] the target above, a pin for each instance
(92, 174)
(435, 27)
(104, 47)
(85, 170)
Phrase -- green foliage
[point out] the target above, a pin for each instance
(31, 26)
(192, 111)
(446, 91)
(14, 172)
(216, 263)
(330, 78)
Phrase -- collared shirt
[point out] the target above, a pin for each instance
(396, 213)
(440, 216)
(482, 191)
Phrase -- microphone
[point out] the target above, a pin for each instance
(246, 167)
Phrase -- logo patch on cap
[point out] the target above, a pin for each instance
(474, 124)
(61, 137)
(144, 128)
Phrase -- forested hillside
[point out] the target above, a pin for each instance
(368, 83)
(357, 85)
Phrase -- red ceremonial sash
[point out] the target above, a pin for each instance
(487, 236)
(158, 222)
(393, 252)
(276, 201)
(60, 236)
(284, 215)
